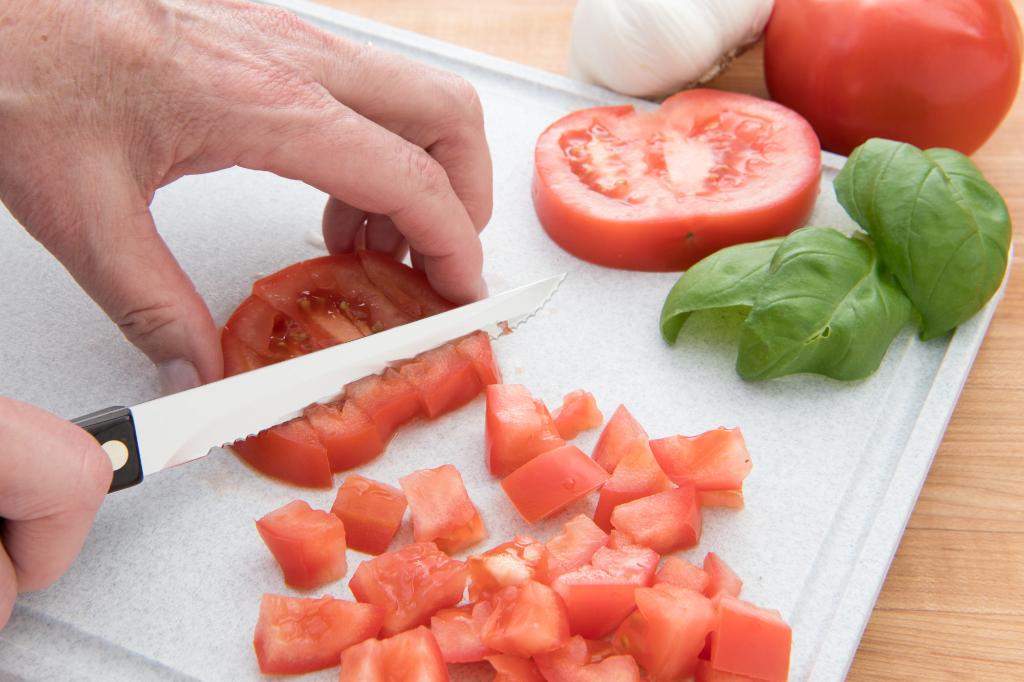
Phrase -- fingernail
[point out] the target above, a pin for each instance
(483, 292)
(177, 375)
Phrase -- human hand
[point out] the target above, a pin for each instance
(101, 106)
(53, 477)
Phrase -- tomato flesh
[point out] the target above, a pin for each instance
(307, 543)
(552, 481)
(346, 432)
(518, 428)
(508, 564)
(527, 619)
(441, 509)
(412, 656)
(636, 475)
(721, 578)
(682, 573)
(573, 547)
(291, 452)
(665, 522)
(621, 436)
(457, 636)
(714, 460)
(443, 379)
(752, 641)
(388, 399)
(406, 288)
(514, 669)
(578, 413)
(705, 673)
(572, 663)
(371, 512)
(661, 190)
(477, 349)
(269, 334)
(351, 292)
(728, 499)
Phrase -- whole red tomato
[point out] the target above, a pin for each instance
(935, 73)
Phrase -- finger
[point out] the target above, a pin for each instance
(341, 226)
(53, 478)
(8, 587)
(101, 229)
(392, 177)
(384, 237)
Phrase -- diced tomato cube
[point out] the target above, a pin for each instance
(511, 563)
(411, 584)
(715, 460)
(371, 511)
(682, 573)
(362, 662)
(621, 435)
(721, 578)
(578, 413)
(665, 521)
(290, 452)
(444, 380)
(552, 481)
(349, 435)
(667, 631)
(412, 656)
(730, 499)
(573, 547)
(307, 543)
(407, 288)
(518, 428)
(441, 509)
(296, 635)
(752, 641)
(341, 279)
(527, 619)
(476, 348)
(636, 475)
(457, 635)
(705, 673)
(388, 399)
(514, 669)
(572, 663)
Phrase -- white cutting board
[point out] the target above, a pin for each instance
(169, 582)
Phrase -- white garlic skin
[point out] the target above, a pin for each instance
(652, 48)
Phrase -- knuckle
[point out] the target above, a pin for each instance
(427, 173)
(277, 20)
(144, 325)
(463, 101)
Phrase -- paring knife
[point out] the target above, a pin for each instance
(179, 428)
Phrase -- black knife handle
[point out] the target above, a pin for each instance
(114, 428)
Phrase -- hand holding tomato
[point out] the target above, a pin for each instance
(53, 477)
(101, 107)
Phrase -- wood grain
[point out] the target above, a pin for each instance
(953, 604)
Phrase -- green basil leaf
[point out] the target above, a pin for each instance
(728, 278)
(828, 306)
(940, 227)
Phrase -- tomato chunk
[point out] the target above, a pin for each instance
(510, 563)
(572, 663)
(477, 349)
(714, 460)
(411, 656)
(443, 380)
(682, 573)
(552, 481)
(578, 413)
(405, 287)
(362, 662)
(665, 521)
(721, 578)
(705, 673)
(411, 584)
(441, 509)
(290, 452)
(347, 433)
(518, 428)
(514, 669)
(457, 635)
(527, 619)
(730, 499)
(752, 641)
(573, 547)
(309, 544)
(371, 511)
(636, 475)
(621, 435)
(295, 635)
(387, 398)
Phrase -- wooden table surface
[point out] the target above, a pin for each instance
(953, 604)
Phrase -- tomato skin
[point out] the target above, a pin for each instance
(510, 563)
(346, 432)
(665, 522)
(441, 509)
(572, 663)
(682, 573)
(721, 578)
(518, 428)
(636, 475)
(514, 669)
(552, 481)
(752, 641)
(662, 190)
(309, 544)
(935, 73)
(371, 511)
(578, 413)
(457, 636)
(290, 452)
(296, 635)
(714, 460)
(527, 619)
(573, 547)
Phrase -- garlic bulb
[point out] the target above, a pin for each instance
(650, 48)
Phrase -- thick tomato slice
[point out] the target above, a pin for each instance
(518, 428)
(665, 522)
(682, 573)
(572, 663)
(721, 578)
(573, 547)
(514, 669)
(295, 635)
(621, 436)
(578, 413)
(441, 509)
(388, 399)
(407, 288)
(443, 379)
(342, 284)
(458, 636)
(552, 481)
(636, 475)
(291, 452)
(714, 460)
(411, 584)
(349, 435)
(477, 349)
(752, 641)
(309, 544)
(411, 656)
(527, 619)
(371, 511)
(511, 563)
(269, 334)
(238, 357)
(661, 190)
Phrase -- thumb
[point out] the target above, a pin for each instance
(103, 233)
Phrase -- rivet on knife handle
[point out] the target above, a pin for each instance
(114, 428)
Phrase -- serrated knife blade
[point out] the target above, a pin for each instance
(175, 429)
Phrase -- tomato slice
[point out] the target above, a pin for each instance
(443, 379)
(238, 357)
(572, 663)
(388, 399)
(667, 631)
(621, 436)
(661, 190)
(407, 288)
(293, 293)
(441, 509)
(715, 460)
(578, 413)
(346, 432)
(290, 452)
(514, 669)
(682, 573)
(510, 563)
(266, 332)
(730, 499)
(309, 544)
(411, 656)
(527, 619)
(371, 511)
(752, 641)
(636, 475)
(721, 578)
(412, 584)
(552, 481)
(477, 349)
(340, 280)
(573, 547)
(665, 522)
(518, 428)
(457, 635)
(295, 635)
